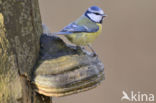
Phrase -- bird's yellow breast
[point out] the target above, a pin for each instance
(83, 38)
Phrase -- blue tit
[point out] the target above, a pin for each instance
(85, 29)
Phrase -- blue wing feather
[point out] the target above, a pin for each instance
(74, 28)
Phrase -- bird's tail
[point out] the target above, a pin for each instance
(47, 31)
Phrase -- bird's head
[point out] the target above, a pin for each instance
(95, 14)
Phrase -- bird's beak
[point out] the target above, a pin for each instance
(104, 15)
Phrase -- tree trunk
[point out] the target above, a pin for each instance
(20, 30)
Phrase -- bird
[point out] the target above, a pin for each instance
(125, 96)
(85, 29)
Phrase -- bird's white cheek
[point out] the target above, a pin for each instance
(94, 17)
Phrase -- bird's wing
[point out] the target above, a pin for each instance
(75, 28)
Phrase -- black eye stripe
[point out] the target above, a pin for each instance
(97, 13)
(88, 12)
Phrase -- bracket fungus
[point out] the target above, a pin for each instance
(64, 70)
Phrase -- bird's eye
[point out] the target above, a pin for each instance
(97, 13)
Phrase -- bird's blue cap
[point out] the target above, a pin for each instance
(96, 9)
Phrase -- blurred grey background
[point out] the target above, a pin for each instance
(127, 45)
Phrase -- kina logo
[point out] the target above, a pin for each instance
(137, 96)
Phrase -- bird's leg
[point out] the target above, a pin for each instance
(94, 53)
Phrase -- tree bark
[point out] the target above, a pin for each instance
(20, 30)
